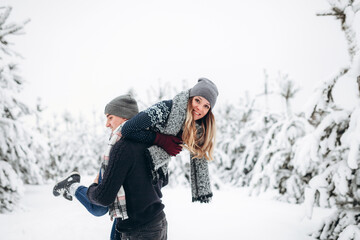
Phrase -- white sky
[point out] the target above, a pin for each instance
(81, 54)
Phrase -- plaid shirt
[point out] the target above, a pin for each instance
(118, 208)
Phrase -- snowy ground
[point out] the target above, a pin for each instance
(231, 215)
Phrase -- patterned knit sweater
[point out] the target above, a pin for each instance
(153, 119)
(168, 117)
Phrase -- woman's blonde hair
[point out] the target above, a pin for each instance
(200, 142)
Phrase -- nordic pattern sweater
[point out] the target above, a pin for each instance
(127, 167)
(143, 126)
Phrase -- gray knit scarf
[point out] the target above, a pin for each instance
(159, 159)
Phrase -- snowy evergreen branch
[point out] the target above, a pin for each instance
(345, 11)
(337, 180)
(9, 29)
(321, 102)
(341, 225)
(4, 14)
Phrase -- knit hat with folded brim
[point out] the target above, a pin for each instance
(123, 106)
(207, 89)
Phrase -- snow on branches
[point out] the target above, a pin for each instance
(341, 225)
(345, 11)
(7, 29)
(275, 166)
(337, 179)
(22, 151)
(11, 188)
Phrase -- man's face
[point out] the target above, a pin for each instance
(113, 121)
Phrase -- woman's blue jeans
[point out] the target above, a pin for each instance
(95, 210)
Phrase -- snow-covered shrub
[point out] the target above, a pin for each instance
(24, 150)
(275, 166)
(321, 157)
(11, 188)
(267, 143)
(179, 170)
(75, 145)
(240, 147)
(230, 144)
(341, 225)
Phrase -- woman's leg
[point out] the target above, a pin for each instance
(95, 210)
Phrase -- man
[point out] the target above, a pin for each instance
(128, 168)
(117, 112)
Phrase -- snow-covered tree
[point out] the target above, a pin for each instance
(256, 146)
(75, 144)
(287, 89)
(22, 151)
(345, 11)
(331, 152)
(274, 168)
(241, 130)
(321, 102)
(337, 175)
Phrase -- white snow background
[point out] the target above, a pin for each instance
(231, 215)
(59, 74)
(79, 54)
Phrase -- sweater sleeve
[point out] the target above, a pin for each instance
(119, 165)
(143, 126)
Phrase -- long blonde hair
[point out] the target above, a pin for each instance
(199, 143)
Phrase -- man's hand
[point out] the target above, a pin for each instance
(96, 180)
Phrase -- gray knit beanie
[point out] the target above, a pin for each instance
(123, 106)
(207, 89)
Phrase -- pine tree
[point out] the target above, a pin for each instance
(241, 130)
(22, 151)
(331, 153)
(345, 11)
(274, 168)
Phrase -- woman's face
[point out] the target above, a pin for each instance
(200, 107)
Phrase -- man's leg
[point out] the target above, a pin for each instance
(115, 235)
(157, 229)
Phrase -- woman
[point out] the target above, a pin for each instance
(187, 119)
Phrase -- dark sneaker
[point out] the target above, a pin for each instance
(62, 187)
(67, 196)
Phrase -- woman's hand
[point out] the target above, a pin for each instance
(170, 144)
